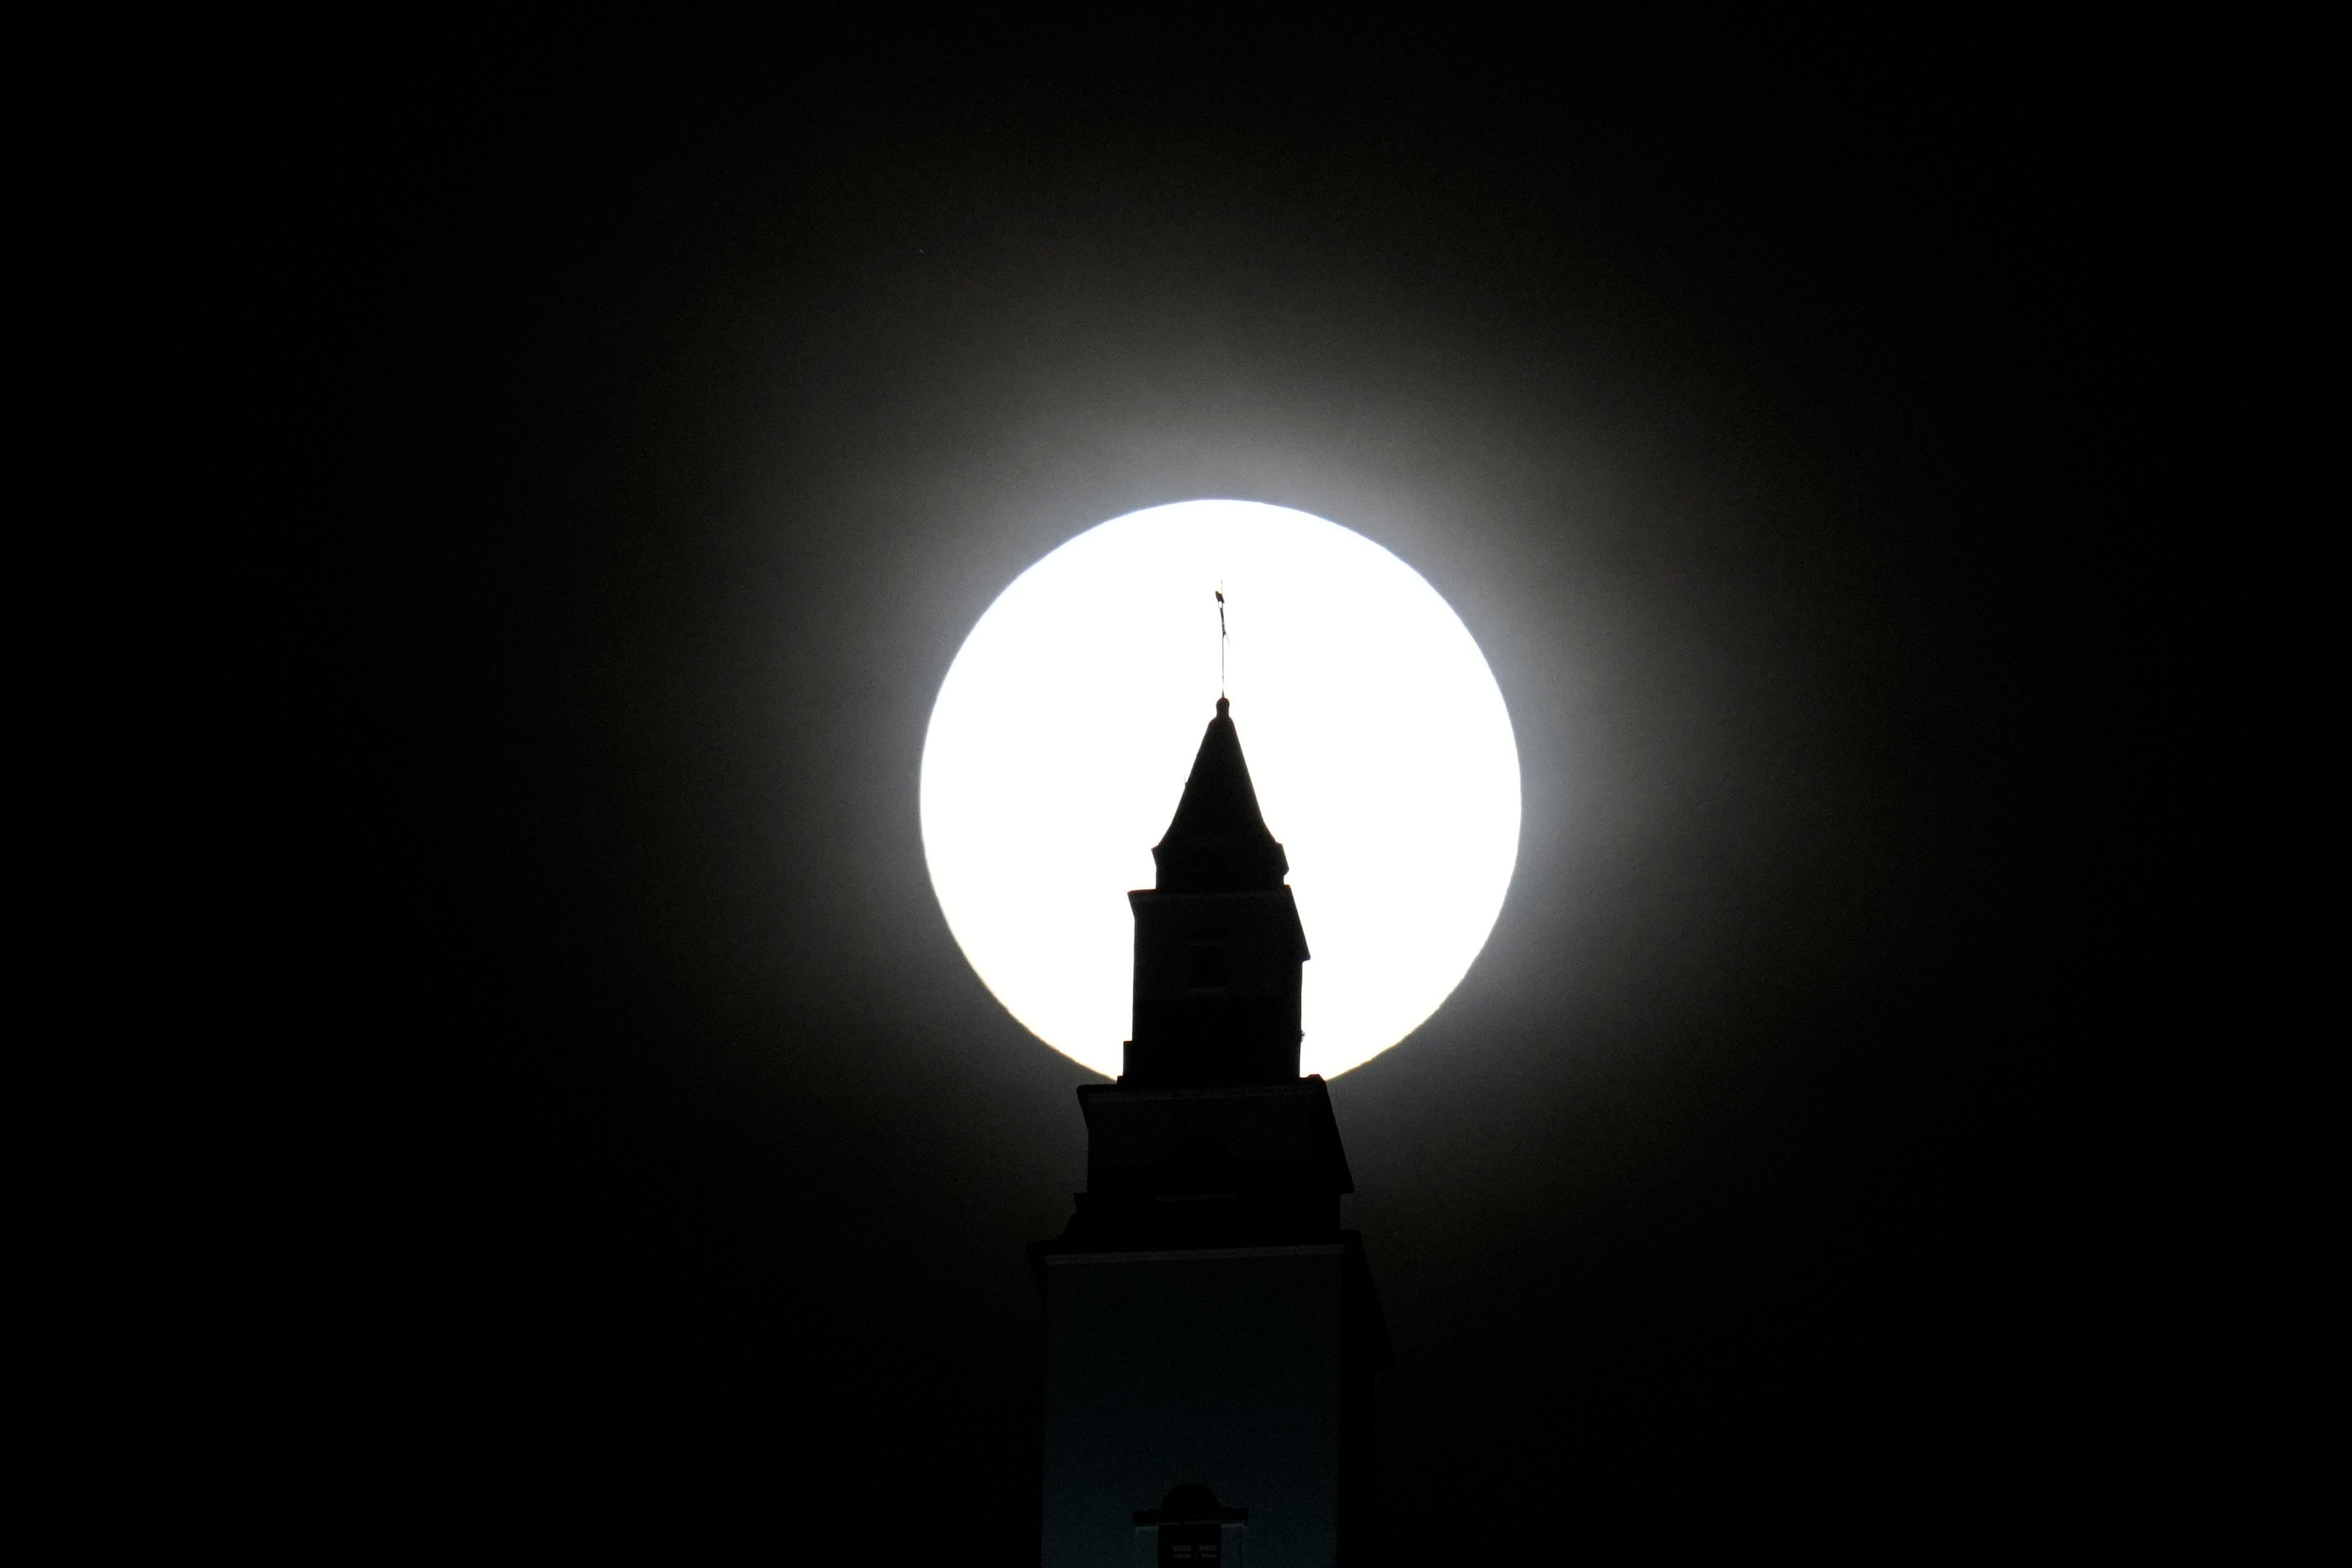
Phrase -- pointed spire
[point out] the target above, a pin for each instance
(1218, 842)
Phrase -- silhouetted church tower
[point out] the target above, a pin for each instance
(1211, 1330)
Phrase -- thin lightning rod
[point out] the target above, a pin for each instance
(1221, 640)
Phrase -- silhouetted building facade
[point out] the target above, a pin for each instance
(1211, 1331)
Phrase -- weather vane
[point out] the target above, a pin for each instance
(1221, 640)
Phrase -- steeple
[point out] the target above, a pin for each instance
(1218, 944)
(1218, 842)
(1210, 1327)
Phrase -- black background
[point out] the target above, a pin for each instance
(1826, 1153)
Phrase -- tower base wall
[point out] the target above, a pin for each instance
(1227, 1368)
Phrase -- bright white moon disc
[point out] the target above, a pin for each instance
(1374, 731)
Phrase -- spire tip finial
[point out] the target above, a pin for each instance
(1220, 647)
(1222, 705)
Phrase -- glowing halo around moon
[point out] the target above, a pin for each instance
(1377, 738)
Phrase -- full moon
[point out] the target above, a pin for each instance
(1375, 733)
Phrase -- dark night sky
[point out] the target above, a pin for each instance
(1811, 1157)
